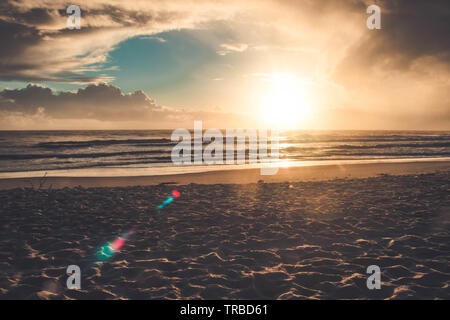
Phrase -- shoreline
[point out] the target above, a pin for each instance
(236, 176)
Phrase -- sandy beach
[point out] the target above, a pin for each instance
(243, 176)
(305, 233)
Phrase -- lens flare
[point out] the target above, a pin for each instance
(168, 200)
(110, 248)
(118, 243)
(175, 194)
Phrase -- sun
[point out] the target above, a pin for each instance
(285, 104)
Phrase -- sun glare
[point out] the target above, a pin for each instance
(285, 104)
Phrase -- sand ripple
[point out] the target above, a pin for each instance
(303, 240)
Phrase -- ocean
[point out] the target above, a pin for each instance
(104, 153)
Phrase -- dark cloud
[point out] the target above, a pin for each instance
(14, 39)
(122, 17)
(38, 107)
(34, 40)
(417, 28)
(34, 16)
(18, 62)
(101, 102)
(411, 29)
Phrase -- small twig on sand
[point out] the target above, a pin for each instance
(42, 181)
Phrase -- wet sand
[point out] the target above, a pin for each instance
(266, 240)
(244, 176)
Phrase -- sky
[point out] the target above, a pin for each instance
(232, 64)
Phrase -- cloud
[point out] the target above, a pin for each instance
(97, 106)
(222, 52)
(238, 47)
(101, 102)
(103, 106)
(37, 46)
(411, 29)
(403, 68)
(160, 39)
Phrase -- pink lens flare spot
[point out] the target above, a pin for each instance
(175, 193)
(118, 243)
